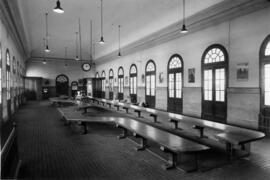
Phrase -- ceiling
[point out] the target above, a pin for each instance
(138, 18)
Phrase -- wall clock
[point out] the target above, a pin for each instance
(86, 66)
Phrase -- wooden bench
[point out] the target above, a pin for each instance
(169, 143)
(70, 114)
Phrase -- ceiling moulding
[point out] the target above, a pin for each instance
(211, 16)
(10, 16)
(38, 59)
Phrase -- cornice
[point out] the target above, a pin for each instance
(224, 11)
(11, 18)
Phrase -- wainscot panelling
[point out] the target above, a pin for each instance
(243, 106)
(192, 98)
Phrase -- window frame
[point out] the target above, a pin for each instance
(174, 71)
(103, 76)
(111, 79)
(214, 66)
(150, 73)
(1, 74)
(264, 60)
(131, 76)
(121, 80)
(8, 69)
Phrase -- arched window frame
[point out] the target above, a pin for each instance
(8, 73)
(218, 94)
(152, 90)
(111, 82)
(133, 79)
(120, 80)
(264, 65)
(103, 75)
(175, 92)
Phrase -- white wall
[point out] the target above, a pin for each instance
(242, 42)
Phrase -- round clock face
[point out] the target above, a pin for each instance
(86, 67)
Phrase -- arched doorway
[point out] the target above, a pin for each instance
(61, 84)
(74, 88)
(120, 83)
(150, 88)
(214, 83)
(133, 83)
(175, 84)
(265, 85)
(111, 84)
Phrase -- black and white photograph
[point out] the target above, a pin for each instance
(135, 89)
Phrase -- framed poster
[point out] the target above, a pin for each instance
(242, 71)
(191, 75)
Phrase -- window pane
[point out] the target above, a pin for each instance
(208, 85)
(135, 85)
(175, 62)
(178, 85)
(148, 85)
(220, 84)
(267, 84)
(150, 67)
(267, 49)
(214, 55)
(153, 85)
(171, 85)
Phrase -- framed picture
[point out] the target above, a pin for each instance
(191, 75)
(242, 71)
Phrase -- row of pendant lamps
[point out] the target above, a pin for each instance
(59, 9)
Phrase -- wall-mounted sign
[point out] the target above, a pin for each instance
(191, 75)
(242, 71)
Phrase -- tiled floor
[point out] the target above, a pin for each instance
(49, 149)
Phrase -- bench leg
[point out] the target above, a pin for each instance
(172, 161)
(229, 150)
(176, 125)
(123, 135)
(154, 117)
(139, 113)
(143, 142)
(84, 128)
(117, 108)
(126, 110)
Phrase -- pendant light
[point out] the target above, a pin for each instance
(101, 16)
(44, 59)
(66, 57)
(58, 8)
(119, 47)
(184, 29)
(91, 41)
(77, 56)
(47, 35)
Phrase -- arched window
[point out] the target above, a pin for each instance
(8, 73)
(133, 83)
(150, 88)
(97, 75)
(111, 76)
(175, 83)
(265, 83)
(214, 81)
(0, 74)
(120, 83)
(103, 75)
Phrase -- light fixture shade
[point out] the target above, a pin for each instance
(44, 61)
(77, 58)
(101, 40)
(119, 54)
(184, 29)
(58, 8)
(47, 49)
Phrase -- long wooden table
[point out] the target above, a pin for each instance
(71, 114)
(170, 143)
(231, 135)
(62, 101)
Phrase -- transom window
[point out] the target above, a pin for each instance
(150, 67)
(214, 55)
(175, 62)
